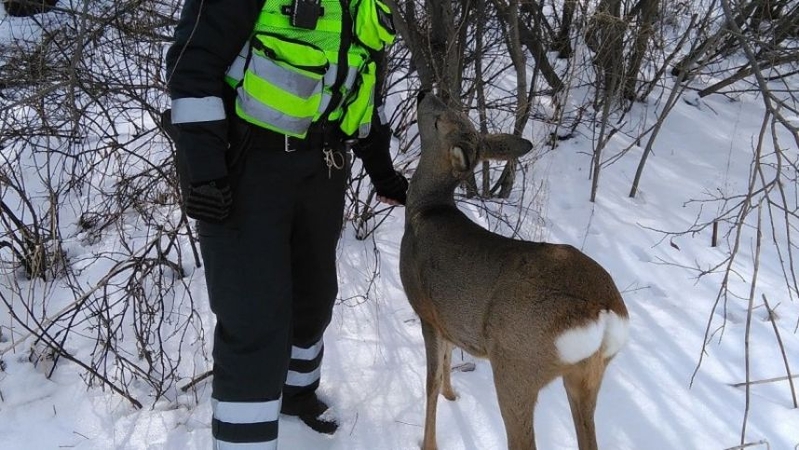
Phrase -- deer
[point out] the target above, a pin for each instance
(537, 311)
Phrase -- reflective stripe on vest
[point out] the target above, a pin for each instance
(287, 77)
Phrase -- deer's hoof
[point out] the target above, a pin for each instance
(450, 394)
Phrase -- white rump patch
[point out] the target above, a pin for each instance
(617, 331)
(576, 344)
(608, 331)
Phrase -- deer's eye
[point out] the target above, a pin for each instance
(435, 124)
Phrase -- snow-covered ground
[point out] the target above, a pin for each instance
(374, 367)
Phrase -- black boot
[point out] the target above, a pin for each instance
(311, 411)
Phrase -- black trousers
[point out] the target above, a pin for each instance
(272, 282)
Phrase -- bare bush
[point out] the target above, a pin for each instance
(86, 165)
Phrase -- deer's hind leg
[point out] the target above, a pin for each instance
(446, 370)
(437, 351)
(582, 385)
(517, 383)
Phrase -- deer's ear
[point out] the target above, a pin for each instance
(504, 146)
(458, 159)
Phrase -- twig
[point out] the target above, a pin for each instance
(790, 377)
(418, 57)
(675, 93)
(75, 305)
(763, 381)
(60, 351)
(197, 380)
(749, 322)
(750, 444)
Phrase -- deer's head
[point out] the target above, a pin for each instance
(449, 138)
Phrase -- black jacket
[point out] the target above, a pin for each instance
(208, 37)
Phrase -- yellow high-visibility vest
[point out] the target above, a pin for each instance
(287, 77)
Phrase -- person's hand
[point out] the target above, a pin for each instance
(209, 201)
(391, 186)
(392, 190)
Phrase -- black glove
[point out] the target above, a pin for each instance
(376, 158)
(210, 201)
(394, 187)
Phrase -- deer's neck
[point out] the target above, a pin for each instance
(430, 190)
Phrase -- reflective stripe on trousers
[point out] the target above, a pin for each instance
(305, 367)
(221, 445)
(245, 425)
(237, 420)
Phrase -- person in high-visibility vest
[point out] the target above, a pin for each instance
(267, 99)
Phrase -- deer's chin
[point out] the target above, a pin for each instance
(461, 175)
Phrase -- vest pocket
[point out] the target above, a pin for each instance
(359, 107)
(282, 89)
(374, 26)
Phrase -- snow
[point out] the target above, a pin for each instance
(374, 370)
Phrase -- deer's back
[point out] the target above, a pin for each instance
(473, 284)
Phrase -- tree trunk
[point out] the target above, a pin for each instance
(562, 43)
(522, 105)
(532, 39)
(647, 12)
(605, 36)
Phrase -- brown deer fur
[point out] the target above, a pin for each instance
(536, 311)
